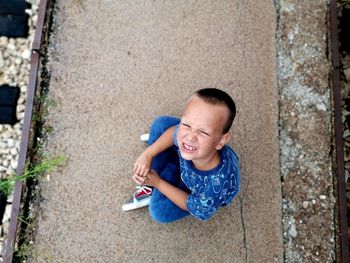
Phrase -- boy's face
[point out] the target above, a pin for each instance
(200, 133)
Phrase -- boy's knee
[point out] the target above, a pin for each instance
(158, 122)
(157, 215)
(164, 122)
(164, 211)
(161, 124)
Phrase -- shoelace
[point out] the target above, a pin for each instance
(142, 188)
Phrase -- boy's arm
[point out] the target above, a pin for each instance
(143, 163)
(165, 141)
(176, 195)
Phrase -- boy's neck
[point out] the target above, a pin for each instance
(206, 165)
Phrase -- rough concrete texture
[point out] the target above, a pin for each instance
(115, 65)
(305, 131)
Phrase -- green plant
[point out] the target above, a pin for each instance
(29, 219)
(21, 252)
(47, 129)
(43, 103)
(46, 165)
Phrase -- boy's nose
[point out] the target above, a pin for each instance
(192, 136)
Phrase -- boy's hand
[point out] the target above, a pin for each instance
(151, 179)
(143, 164)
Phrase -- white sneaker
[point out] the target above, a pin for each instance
(141, 198)
(144, 137)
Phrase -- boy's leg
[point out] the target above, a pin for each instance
(167, 165)
(161, 209)
(158, 127)
(142, 196)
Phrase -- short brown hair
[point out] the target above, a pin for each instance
(218, 97)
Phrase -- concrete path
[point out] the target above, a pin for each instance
(116, 65)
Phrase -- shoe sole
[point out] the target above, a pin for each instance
(133, 206)
(144, 137)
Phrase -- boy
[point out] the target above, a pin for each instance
(187, 167)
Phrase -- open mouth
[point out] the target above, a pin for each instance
(188, 148)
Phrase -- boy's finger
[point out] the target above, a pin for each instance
(135, 167)
(142, 173)
(139, 170)
(138, 179)
(145, 172)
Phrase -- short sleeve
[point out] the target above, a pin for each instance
(201, 207)
(218, 190)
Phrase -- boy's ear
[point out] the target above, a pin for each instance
(224, 139)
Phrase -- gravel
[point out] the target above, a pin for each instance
(345, 87)
(14, 71)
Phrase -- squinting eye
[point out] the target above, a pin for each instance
(205, 133)
(186, 125)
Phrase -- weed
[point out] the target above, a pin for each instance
(29, 218)
(21, 252)
(47, 165)
(42, 105)
(47, 129)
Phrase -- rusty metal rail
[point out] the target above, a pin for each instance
(26, 129)
(338, 129)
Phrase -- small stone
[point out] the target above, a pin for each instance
(29, 12)
(6, 135)
(292, 231)
(21, 100)
(18, 61)
(10, 171)
(11, 45)
(26, 54)
(20, 115)
(323, 197)
(13, 152)
(14, 164)
(20, 108)
(2, 62)
(6, 163)
(7, 214)
(13, 70)
(10, 143)
(3, 41)
(347, 74)
(305, 204)
(23, 89)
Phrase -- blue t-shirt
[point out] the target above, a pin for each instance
(213, 188)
